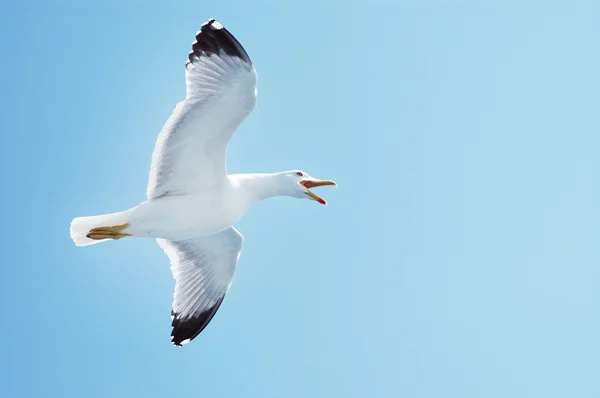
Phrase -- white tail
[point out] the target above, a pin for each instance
(81, 226)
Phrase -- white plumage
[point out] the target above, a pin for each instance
(221, 93)
(192, 203)
(199, 290)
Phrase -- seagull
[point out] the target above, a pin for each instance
(191, 202)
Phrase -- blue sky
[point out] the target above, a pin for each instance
(458, 258)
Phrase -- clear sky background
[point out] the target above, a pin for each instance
(458, 258)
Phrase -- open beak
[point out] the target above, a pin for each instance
(316, 183)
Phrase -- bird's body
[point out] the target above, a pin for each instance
(185, 216)
(169, 217)
(192, 203)
(178, 217)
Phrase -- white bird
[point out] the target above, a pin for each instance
(192, 203)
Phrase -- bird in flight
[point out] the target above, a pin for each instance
(191, 202)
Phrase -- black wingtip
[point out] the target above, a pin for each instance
(185, 329)
(212, 38)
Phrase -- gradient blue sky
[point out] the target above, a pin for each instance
(458, 258)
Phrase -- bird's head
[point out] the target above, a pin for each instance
(300, 184)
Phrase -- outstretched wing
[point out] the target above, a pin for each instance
(203, 269)
(190, 153)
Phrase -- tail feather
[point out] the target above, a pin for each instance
(81, 226)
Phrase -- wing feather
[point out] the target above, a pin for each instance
(203, 269)
(190, 152)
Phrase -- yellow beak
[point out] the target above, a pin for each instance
(316, 183)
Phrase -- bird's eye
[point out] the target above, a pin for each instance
(299, 174)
